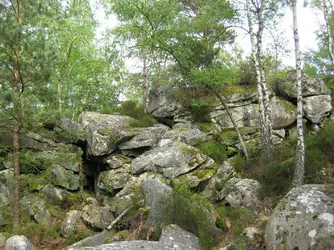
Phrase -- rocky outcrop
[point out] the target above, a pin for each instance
(18, 242)
(36, 209)
(172, 238)
(97, 216)
(317, 108)
(304, 219)
(172, 160)
(65, 178)
(114, 179)
(71, 222)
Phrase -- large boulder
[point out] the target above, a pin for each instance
(311, 86)
(71, 223)
(18, 242)
(104, 132)
(241, 193)
(284, 113)
(6, 180)
(36, 209)
(97, 216)
(191, 136)
(159, 197)
(304, 219)
(65, 178)
(145, 138)
(172, 238)
(317, 108)
(172, 160)
(114, 178)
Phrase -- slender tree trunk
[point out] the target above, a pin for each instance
(59, 96)
(327, 16)
(263, 93)
(300, 154)
(242, 143)
(145, 81)
(16, 126)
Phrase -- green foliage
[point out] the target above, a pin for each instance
(200, 111)
(131, 109)
(239, 218)
(192, 212)
(214, 149)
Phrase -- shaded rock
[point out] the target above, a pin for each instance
(317, 108)
(54, 195)
(96, 216)
(173, 238)
(304, 219)
(36, 209)
(116, 161)
(104, 132)
(18, 242)
(159, 197)
(70, 223)
(145, 137)
(171, 160)
(6, 180)
(114, 179)
(284, 113)
(241, 193)
(65, 178)
(190, 136)
(311, 86)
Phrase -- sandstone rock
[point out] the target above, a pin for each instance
(18, 242)
(311, 86)
(36, 209)
(96, 216)
(116, 161)
(114, 179)
(304, 219)
(316, 108)
(70, 223)
(104, 132)
(241, 193)
(6, 180)
(191, 136)
(65, 178)
(172, 238)
(145, 137)
(171, 160)
(159, 197)
(54, 195)
(284, 113)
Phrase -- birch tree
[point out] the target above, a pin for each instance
(256, 17)
(300, 153)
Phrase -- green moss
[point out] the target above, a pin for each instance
(288, 106)
(238, 89)
(214, 149)
(204, 173)
(206, 127)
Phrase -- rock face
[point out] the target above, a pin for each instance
(96, 216)
(316, 108)
(241, 193)
(17, 242)
(304, 219)
(114, 179)
(65, 178)
(172, 160)
(70, 223)
(159, 197)
(104, 132)
(36, 209)
(172, 238)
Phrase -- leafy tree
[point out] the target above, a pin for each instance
(189, 33)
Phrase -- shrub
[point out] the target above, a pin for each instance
(214, 149)
(200, 111)
(131, 109)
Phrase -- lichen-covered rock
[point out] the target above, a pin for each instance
(70, 223)
(6, 180)
(116, 161)
(65, 178)
(224, 173)
(96, 216)
(114, 179)
(145, 138)
(104, 132)
(18, 242)
(311, 86)
(190, 136)
(36, 209)
(172, 238)
(2, 240)
(316, 108)
(172, 160)
(241, 193)
(54, 195)
(284, 113)
(159, 197)
(304, 219)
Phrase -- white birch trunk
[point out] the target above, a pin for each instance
(300, 153)
(263, 94)
(327, 15)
